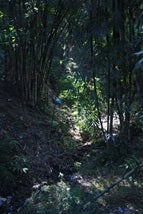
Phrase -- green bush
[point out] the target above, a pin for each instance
(12, 164)
(55, 199)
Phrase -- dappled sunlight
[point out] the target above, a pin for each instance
(115, 122)
(127, 196)
(71, 65)
(71, 107)
(76, 134)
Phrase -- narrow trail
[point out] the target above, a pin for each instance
(66, 151)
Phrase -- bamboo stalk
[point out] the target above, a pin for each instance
(124, 177)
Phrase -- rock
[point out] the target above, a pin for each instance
(2, 201)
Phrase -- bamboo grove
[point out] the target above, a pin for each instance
(103, 36)
(31, 32)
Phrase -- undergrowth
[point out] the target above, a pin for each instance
(13, 164)
(58, 198)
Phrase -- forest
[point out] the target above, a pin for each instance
(71, 106)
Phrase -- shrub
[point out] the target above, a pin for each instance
(12, 164)
(55, 199)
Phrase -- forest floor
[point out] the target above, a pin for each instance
(57, 151)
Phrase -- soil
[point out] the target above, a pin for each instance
(47, 150)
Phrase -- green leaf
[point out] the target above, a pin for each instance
(1, 14)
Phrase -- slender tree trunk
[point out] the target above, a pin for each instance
(93, 74)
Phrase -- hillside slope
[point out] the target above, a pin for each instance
(43, 144)
(41, 151)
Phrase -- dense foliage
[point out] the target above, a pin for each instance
(13, 164)
(102, 62)
(89, 54)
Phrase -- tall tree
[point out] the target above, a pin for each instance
(34, 28)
